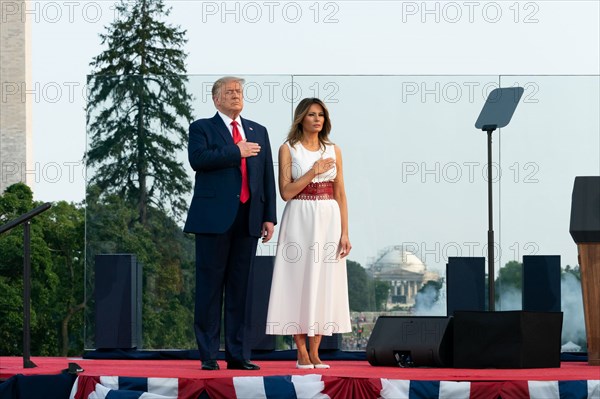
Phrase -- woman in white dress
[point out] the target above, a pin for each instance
(309, 291)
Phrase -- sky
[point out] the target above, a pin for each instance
(404, 82)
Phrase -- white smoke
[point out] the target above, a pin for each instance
(426, 303)
(509, 298)
(572, 306)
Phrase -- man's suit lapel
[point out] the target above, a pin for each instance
(249, 131)
(222, 129)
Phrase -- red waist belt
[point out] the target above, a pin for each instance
(316, 191)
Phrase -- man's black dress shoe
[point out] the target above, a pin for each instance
(210, 365)
(242, 365)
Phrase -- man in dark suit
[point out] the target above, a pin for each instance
(233, 206)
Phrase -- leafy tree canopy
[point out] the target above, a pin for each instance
(139, 109)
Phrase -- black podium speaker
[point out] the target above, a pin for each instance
(585, 230)
(465, 284)
(404, 341)
(118, 301)
(585, 209)
(512, 339)
(541, 283)
(259, 290)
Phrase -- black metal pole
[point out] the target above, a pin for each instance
(25, 217)
(491, 293)
(27, 363)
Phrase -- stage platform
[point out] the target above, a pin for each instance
(162, 379)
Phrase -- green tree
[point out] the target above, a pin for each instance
(382, 292)
(57, 277)
(358, 287)
(510, 276)
(64, 225)
(137, 97)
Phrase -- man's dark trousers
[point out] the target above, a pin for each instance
(224, 262)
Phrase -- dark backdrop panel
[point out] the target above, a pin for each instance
(541, 283)
(259, 291)
(465, 284)
(331, 343)
(118, 301)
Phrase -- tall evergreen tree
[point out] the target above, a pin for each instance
(137, 100)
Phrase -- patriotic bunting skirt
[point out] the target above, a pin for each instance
(318, 386)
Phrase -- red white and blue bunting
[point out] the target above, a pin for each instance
(323, 387)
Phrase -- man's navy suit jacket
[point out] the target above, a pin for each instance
(216, 159)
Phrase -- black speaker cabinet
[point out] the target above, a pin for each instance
(465, 284)
(585, 209)
(403, 341)
(258, 304)
(541, 283)
(118, 301)
(513, 339)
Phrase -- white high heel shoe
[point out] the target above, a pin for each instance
(304, 366)
(321, 366)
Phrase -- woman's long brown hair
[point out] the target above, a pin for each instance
(295, 134)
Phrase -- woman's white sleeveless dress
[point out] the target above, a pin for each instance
(309, 290)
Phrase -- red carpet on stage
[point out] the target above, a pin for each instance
(280, 379)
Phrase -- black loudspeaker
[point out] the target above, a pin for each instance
(513, 339)
(585, 209)
(259, 290)
(465, 284)
(118, 301)
(402, 341)
(541, 283)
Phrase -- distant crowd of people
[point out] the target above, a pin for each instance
(354, 343)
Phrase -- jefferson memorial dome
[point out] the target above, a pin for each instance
(405, 272)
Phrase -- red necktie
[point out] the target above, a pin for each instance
(245, 193)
